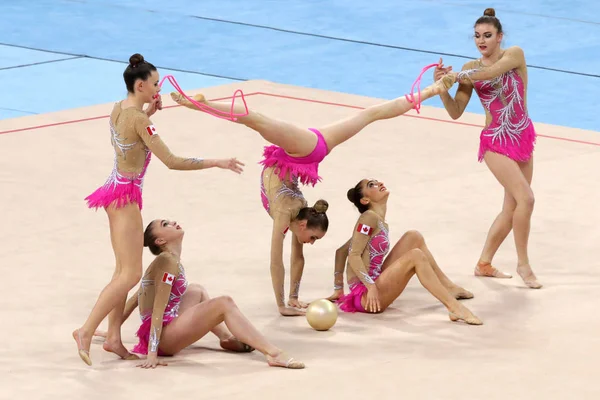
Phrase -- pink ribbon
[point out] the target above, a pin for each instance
(411, 97)
(203, 107)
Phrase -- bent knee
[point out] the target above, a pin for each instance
(199, 289)
(415, 237)
(129, 278)
(225, 301)
(417, 255)
(196, 287)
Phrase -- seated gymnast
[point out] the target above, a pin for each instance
(376, 281)
(172, 320)
(194, 294)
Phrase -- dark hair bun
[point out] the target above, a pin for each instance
(321, 206)
(135, 60)
(351, 194)
(490, 12)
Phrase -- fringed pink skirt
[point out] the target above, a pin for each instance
(351, 302)
(518, 149)
(143, 334)
(305, 168)
(119, 189)
(119, 193)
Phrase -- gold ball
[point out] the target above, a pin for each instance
(321, 314)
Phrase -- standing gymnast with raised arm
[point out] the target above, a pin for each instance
(499, 78)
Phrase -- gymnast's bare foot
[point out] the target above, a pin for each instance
(486, 269)
(280, 359)
(233, 344)
(462, 313)
(291, 311)
(459, 292)
(83, 341)
(116, 346)
(100, 333)
(528, 276)
(179, 99)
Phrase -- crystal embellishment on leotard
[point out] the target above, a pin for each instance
(153, 340)
(367, 277)
(503, 88)
(120, 188)
(465, 74)
(115, 139)
(116, 178)
(145, 332)
(295, 290)
(292, 191)
(379, 246)
(195, 160)
(175, 296)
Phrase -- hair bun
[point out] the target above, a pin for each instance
(135, 60)
(321, 206)
(350, 194)
(490, 12)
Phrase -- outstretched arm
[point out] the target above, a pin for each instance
(149, 134)
(513, 57)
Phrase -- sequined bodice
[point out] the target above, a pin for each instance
(178, 289)
(127, 154)
(503, 98)
(379, 246)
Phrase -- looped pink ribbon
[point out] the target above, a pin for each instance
(411, 97)
(203, 107)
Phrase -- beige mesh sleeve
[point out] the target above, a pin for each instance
(363, 231)
(151, 138)
(164, 263)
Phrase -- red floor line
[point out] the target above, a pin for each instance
(299, 99)
(362, 108)
(74, 121)
(417, 116)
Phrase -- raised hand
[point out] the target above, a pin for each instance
(154, 106)
(440, 71)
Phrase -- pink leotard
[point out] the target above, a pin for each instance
(378, 246)
(293, 169)
(511, 132)
(122, 188)
(171, 310)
